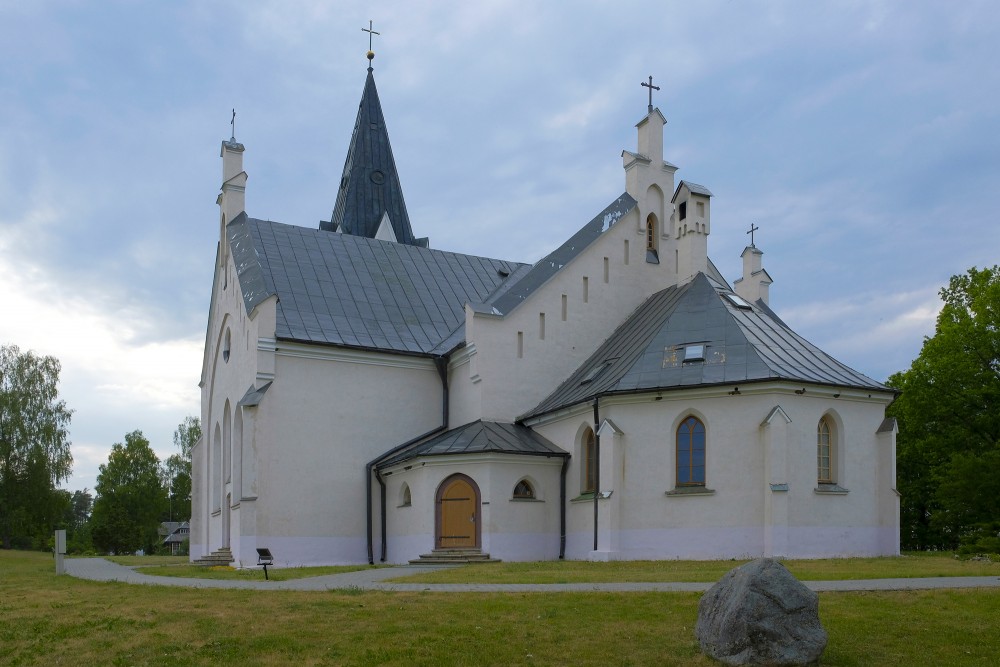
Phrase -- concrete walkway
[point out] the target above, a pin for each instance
(99, 569)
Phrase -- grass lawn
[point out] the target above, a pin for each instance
(567, 572)
(45, 619)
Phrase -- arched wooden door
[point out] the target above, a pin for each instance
(457, 520)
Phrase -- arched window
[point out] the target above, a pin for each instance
(824, 452)
(691, 453)
(589, 451)
(523, 490)
(404, 496)
(227, 345)
(651, 232)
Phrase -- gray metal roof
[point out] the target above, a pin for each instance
(646, 353)
(340, 289)
(370, 184)
(694, 188)
(549, 265)
(480, 437)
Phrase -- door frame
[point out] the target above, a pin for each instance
(438, 508)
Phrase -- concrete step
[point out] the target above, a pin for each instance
(222, 556)
(453, 556)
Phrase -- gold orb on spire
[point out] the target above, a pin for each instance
(371, 55)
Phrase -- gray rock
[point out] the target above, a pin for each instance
(759, 614)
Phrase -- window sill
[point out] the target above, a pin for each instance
(526, 500)
(216, 512)
(690, 491)
(404, 505)
(652, 257)
(831, 490)
(589, 497)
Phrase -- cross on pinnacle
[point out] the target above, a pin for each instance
(233, 123)
(371, 32)
(753, 228)
(651, 89)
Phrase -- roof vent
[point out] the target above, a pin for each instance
(597, 370)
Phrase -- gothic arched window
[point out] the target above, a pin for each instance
(691, 453)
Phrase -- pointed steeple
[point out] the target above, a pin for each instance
(369, 188)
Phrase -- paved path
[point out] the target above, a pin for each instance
(99, 569)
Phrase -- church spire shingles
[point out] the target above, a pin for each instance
(370, 193)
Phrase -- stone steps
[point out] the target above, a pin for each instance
(453, 557)
(223, 556)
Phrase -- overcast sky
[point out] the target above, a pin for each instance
(862, 137)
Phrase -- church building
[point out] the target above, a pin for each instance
(367, 397)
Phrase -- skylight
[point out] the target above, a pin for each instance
(738, 301)
(694, 352)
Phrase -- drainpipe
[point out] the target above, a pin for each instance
(441, 364)
(597, 463)
(562, 508)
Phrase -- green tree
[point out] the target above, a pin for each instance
(949, 420)
(34, 445)
(130, 498)
(178, 469)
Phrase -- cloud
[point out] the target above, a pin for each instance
(877, 333)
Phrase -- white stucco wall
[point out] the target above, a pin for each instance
(641, 519)
(511, 529)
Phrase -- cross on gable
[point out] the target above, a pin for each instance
(651, 89)
(753, 228)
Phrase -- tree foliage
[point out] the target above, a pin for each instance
(177, 469)
(34, 445)
(948, 462)
(130, 498)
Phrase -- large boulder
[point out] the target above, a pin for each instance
(759, 614)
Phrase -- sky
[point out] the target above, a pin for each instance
(861, 137)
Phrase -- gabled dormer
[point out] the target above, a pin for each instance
(369, 194)
(690, 226)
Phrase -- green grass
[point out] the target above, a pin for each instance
(148, 560)
(565, 572)
(45, 619)
(274, 574)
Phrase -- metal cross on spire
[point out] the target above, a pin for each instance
(753, 228)
(651, 89)
(371, 33)
(233, 123)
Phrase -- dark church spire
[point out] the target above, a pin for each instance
(370, 198)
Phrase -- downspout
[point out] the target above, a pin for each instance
(441, 364)
(597, 463)
(562, 508)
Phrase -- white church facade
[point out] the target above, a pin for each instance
(367, 398)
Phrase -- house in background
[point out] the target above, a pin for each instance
(366, 397)
(174, 534)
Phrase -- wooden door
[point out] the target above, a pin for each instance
(458, 514)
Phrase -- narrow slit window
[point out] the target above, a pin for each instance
(565, 307)
(607, 269)
(626, 252)
(520, 344)
(586, 289)
(541, 326)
